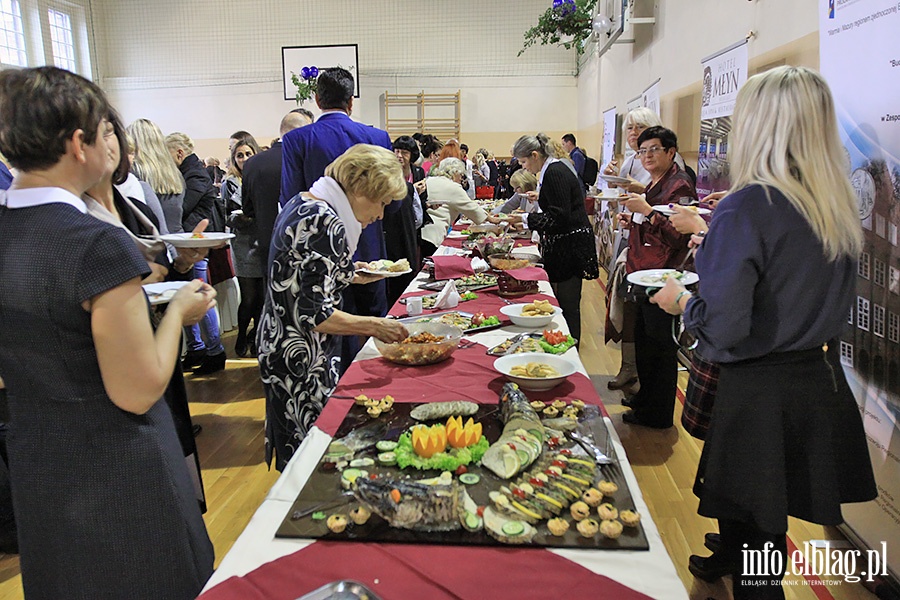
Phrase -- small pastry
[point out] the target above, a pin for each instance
(579, 510)
(558, 526)
(578, 403)
(551, 412)
(592, 497)
(385, 405)
(374, 411)
(607, 488)
(630, 518)
(361, 400)
(337, 523)
(370, 402)
(360, 515)
(607, 511)
(570, 412)
(537, 405)
(588, 528)
(558, 404)
(611, 529)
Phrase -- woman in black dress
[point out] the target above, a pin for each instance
(103, 500)
(567, 242)
(777, 274)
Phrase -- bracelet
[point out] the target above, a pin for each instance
(678, 297)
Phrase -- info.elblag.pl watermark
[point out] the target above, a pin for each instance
(821, 560)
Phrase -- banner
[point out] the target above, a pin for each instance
(723, 74)
(634, 103)
(650, 97)
(860, 57)
(609, 136)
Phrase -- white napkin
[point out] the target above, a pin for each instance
(447, 297)
(479, 265)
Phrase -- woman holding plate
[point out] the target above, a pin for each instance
(309, 266)
(778, 274)
(653, 243)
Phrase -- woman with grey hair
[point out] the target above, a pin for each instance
(446, 201)
(566, 237)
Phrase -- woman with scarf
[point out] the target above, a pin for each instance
(310, 265)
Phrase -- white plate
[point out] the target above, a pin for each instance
(384, 273)
(504, 365)
(614, 180)
(653, 277)
(457, 235)
(664, 209)
(162, 292)
(184, 240)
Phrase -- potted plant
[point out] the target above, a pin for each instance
(567, 23)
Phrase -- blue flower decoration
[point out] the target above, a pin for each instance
(313, 72)
(304, 72)
(557, 3)
(568, 7)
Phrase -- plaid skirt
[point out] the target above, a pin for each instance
(700, 396)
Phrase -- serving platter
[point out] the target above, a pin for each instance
(449, 314)
(323, 490)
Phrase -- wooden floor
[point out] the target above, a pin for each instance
(230, 408)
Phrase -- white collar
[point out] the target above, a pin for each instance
(547, 162)
(330, 192)
(29, 197)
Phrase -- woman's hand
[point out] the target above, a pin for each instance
(188, 257)
(390, 331)
(193, 301)
(713, 199)
(494, 219)
(612, 168)
(696, 240)
(624, 219)
(687, 221)
(637, 204)
(364, 278)
(420, 186)
(665, 297)
(157, 273)
(633, 186)
(532, 196)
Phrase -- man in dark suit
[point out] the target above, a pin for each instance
(306, 153)
(261, 185)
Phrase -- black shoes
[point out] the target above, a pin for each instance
(713, 541)
(193, 359)
(196, 428)
(615, 384)
(632, 418)
(710, 568)
(211, 363)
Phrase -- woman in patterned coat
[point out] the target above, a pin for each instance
(310, 264)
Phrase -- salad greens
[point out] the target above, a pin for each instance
(449, 460)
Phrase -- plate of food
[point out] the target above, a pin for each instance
(478, 281)
(534, 314)
(162, 292)
(664, 209)
(656, 278)
(428, 300)
(614, 179)
(466, 321)
(535, 372)
(209, 239)
(387, 268)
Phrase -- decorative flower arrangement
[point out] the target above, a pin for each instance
(305, 83)
(567, 23)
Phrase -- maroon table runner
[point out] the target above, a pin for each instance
(403, 572)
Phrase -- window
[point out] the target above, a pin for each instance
(862, 313)
(863, 268)
(895, 280)
(892, 234)
(878, 321)
(879, 273)
(894, 327)
(850, 318)
(847, 354)
(61, 39)
(12, 38)
(879, 225)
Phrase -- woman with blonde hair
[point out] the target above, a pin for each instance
(153, 163)
(310, 265)
(778, 274)
(522, 182)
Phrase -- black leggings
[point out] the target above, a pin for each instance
(252, 298)
(568, 293)
(753, 586)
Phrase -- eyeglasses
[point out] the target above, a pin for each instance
(650, 151)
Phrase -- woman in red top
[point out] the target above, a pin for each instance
(655, 244)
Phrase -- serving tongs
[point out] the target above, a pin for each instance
(591, 448)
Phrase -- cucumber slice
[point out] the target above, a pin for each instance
(388, 459)
(386, 445)
(513, 528)
(351, 475)
(470, 478)
(524, 457)
(473, 521)
(362, 462)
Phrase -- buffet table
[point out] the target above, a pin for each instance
(260, 566)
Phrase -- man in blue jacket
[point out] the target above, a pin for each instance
(305, 154)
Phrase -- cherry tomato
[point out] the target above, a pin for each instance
(461, 469)
(480, 511)
(536, 481)
(566, 452)
(558, 463)
(518, 493)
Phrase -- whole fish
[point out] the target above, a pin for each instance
(409, 504)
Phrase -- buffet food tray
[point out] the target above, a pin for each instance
(434, 317)
(341, 590)
(323, 489)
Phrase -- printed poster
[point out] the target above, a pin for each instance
(650, 97)
(860, 58)
(723, 74)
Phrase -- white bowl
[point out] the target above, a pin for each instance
(504, 365)
(514, 312)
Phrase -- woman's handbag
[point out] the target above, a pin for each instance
(221, 267)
